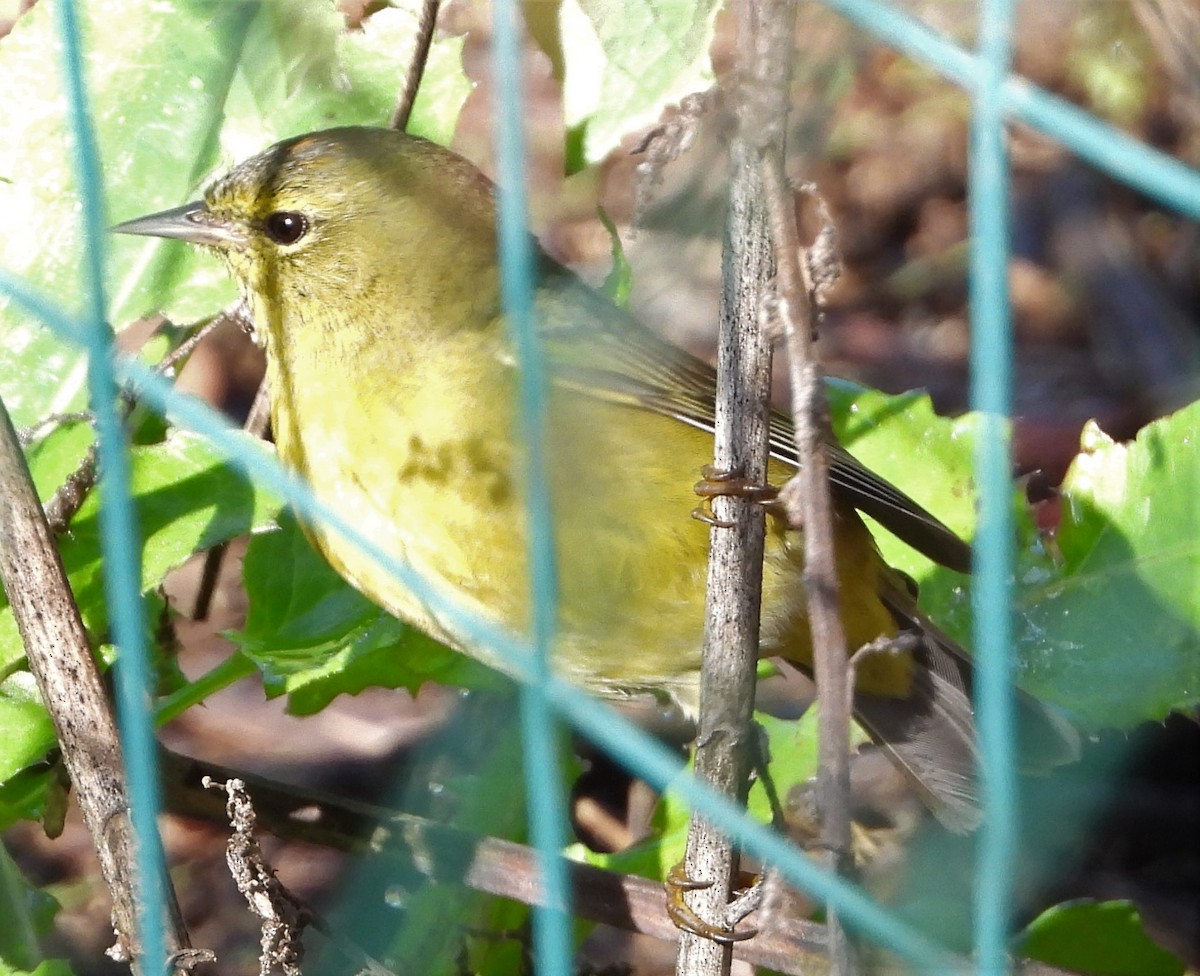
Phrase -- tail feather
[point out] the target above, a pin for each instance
(930, 734)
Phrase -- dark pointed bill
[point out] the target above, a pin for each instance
(193, 222)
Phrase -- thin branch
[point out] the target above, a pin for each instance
(72, 493)
(808, 491)
(255, 425)
(765, 104)
(60, 658)
(282, 916)
(416, 67)
(734, 593)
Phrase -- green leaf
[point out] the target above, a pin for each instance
(930, 458)
(1103, 938)
(374, 60)
(23, 796)
(51, 967)
(25, 728)
(1113, 603)
(28, 913)
(180, 90)
(1107, 612)
(187, 499)
(627, 61)
(792, 746)
(314, 637)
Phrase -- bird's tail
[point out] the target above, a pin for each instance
(930, 733)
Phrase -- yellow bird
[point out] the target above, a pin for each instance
(368, 258)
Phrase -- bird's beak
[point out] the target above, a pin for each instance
(193, 222)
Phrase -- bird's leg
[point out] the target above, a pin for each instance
(678, 884)
(714, 482)
(757, 894)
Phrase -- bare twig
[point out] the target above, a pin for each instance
(764, 103)
(70, 495)
(809, 492)
(665, 143)
(283, 917)
(735, 555)
(60, 658)
(28, 436)
(416, 67)
(256, 423)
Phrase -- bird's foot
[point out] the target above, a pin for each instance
(684, 917)
(715, 482)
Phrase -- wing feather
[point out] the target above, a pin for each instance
(608, 354)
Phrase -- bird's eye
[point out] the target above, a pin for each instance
(286, 226)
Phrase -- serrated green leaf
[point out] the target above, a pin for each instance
(1103, 938)
(297, 601)
(314, 637)
(627, 61)
(1115, 600)
(187, 499)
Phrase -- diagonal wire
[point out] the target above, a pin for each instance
(1104, 146)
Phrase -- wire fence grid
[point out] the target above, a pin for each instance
(999, 98)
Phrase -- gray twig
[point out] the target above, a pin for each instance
(736, 547)
(764, 102)
(416, 66)
(283, 917)
(60, 658)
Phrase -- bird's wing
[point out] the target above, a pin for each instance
(596, 348)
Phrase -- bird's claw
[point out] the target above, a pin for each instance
(684, 918)
(715, 482)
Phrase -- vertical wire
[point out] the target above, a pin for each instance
(991, 395)
(545, 801)
(118, 527)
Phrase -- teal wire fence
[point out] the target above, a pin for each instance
(999, 98)
(991, 396)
